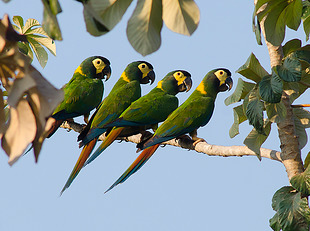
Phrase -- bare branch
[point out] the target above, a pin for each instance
(187, 143)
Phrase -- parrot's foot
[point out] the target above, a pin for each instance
(197, 140)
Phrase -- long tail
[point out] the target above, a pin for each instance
(136, 165)
(106, 143)
(87, 149)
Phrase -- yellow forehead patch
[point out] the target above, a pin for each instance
(160, 85)
(99, 65)
(201, 88)
(144, 69)
(221, 75)
(125, 77)
(179, 76)
(79, 70)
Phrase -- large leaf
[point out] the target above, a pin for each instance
(300, 133)
(306, 18)
(270, 88)
(276, 112)
(242, 89)
(291, 46)
(50, 23)
(290, 70)
(254, 111)
(275, 24)
(102, 15)
(20, 132)
(293, 213)
(144, 26)
(307, 160)
(239, 117)
(255, 139)
(181, 16)
(93, 25)
(29, 24)
(303, 115)
(301, 182)
(293, 14)
(44, 41)
(252, 69)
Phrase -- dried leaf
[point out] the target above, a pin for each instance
(20, 132)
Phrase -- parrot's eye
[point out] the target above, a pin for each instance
(221, 72)
(179, 73)
(143, 65)
(98, 62)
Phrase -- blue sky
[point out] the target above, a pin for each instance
(177, 189)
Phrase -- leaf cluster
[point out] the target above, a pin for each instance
(143, 27)
(36, 39)
(28, 98)
(262, 96)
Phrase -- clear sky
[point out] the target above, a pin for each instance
(177, 189)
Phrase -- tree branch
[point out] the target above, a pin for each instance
(187, 143)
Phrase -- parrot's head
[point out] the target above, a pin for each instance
(224, 80)
(96, 67)
(175, 82)
(141, 71)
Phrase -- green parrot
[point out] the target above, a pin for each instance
(83, 92)
(195, 112)
(126, 90)
(150, 109)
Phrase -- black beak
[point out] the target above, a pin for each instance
(186, 85)
(227, 86)
(106, 72)
(150, 77)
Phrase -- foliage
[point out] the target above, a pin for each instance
(30, 99)
(292, 209)
(36, 39)
(144, 26)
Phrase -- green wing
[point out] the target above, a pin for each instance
(81, 95)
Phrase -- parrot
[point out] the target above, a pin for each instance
(195, 112)
(150, 109)
(125, 91)
(83, 92)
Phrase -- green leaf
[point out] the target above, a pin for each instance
(274, 223)
(290, 70)
(291, 46)
(39, 51)
(301, 182)
(252, 69)
(22, 48)
(242, 89)
(181, 16)
(93, 25)
(29, 24)
(276, 112)
(293, 213)
(254, 111)
(306, 18)
(275, 24)
(307, 161)
(270, 88)
(303, 54)
(144, 26)
(303, 115)
(50, 23)
(301, 133)
(256, 29)
(110, 13)
(293, 14)
(255, 140)
(19, 21)
(239, 117)
(46, 42)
